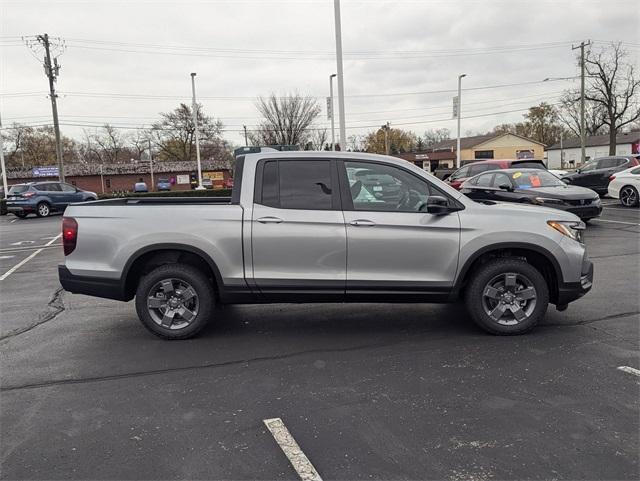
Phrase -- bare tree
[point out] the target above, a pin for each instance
(317, 139)
(174, 136)
(110, 144)
(613, 85)
(286, 119)
(569, 114)
(433, 136)
(140, 142)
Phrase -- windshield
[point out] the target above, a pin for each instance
(542, 178)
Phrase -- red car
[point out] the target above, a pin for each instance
(465, 172)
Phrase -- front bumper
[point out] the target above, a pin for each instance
(587, 211)
(92, 286)
(570, 291)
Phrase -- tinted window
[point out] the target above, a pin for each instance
(591, 165)
(50, 187)
(270, 184)
(462, 172)
(18, 189)
(380, 187)
(501, 179)
(609, 162)
(484, 180)
(475, 169)
(483, 154)
(528, 165)
(68, 188)
(305, 184)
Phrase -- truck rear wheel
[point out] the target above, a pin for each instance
(174, 301)
(507, 296)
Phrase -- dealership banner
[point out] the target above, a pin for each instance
(44, 172)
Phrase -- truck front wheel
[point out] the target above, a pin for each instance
(507, 296)
(174, 301)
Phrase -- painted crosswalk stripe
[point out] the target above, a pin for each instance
(292, 451)
(630, 370)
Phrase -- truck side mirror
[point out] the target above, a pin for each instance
(438, 205)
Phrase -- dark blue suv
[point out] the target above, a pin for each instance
(42, 198)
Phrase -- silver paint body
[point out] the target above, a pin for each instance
(316, 247)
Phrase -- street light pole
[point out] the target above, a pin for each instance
(343, 130)
(4, 169)
(582, 128)
(194, 108)
(151, 166)
(459, 111)
(333, 133)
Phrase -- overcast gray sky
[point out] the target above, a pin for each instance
(125, 61)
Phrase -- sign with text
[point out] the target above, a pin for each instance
(182, 179)
(44, 172)
(329, 109)
(455, 107)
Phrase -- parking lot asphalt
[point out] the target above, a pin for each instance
(368, 391)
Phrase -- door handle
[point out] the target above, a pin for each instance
(269, 220)
(362, 223)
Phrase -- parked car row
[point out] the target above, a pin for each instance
(528, 181)
(43, 198)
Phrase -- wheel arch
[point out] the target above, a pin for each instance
(537, 256)
(144, 259)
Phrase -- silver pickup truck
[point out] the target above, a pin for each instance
(325, 227)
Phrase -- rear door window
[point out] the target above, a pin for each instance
(298, 184)
(68, 188)
(475, 169)
(484, 180)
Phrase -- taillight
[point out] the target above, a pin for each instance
(69, 234)
(28, 194)
(612, 178)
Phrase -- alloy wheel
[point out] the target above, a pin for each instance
(173, 303)
(628, 197)
(43, 210)
(509, 298)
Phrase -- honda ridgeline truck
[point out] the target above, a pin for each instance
(325, 227)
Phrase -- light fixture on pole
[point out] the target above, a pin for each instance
(343, 130)
(330, 112)
(194, 108)
(458, 112)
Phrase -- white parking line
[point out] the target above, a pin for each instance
(630, 370)
(292, 451)
(615, 221)
(24, 261)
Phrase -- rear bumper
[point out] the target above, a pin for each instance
(570, 291)
(20, 208)
(92, 286)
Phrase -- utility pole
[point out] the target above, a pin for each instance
(458, 115)
(343, 130)
(194, 107)
(4, 168)
(246, 142)
(582, 128)
(151, 166)
(385, 128)
(333, 133)
(52, 70)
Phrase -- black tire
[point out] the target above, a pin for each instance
(43, 209)
(151, 304)
(517, 312)
(21, 215)
(629, 196)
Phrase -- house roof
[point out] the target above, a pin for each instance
(598, 140)
(470, 142)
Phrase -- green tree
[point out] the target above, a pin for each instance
(399, 141)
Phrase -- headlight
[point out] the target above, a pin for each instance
(548, 201)
(569, 228)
